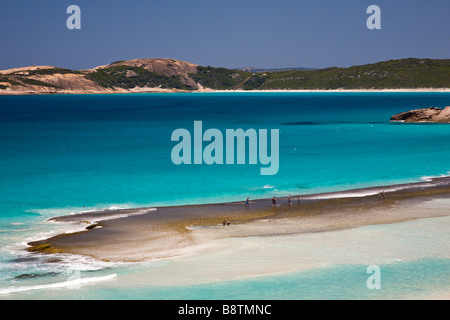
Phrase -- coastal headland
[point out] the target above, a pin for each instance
(170, 75)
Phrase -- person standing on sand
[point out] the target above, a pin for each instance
(274, 201)
(247, 202)
(289, 200)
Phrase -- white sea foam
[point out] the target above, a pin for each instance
(350, 194)
(57, 212)
(123, 214)
(47, 229)
(17, 223)
(430, 178)
(56, 229)
(109, 212)
(364, 192)
(66, 284)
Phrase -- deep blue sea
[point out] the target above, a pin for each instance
(62, 154)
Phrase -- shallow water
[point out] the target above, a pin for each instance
(67, 154)
(413, 257)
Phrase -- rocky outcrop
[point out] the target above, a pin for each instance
(167, 67)
(432, 114)
(92, 226)
(54, 80)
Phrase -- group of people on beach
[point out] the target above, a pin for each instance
(274, 201)
(381, 196)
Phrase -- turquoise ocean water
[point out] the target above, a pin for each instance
(65, 154)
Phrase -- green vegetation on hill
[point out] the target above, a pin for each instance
(130, 77)
(19, 79)
(23, 80)
(219, 78)
(37, 83)
(406, 73)
(10, 81)
(52, 71)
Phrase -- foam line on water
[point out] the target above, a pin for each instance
(425, 182)
(58, 285)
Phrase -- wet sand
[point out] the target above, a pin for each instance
(144, 234)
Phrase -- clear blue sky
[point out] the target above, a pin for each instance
(222, 33)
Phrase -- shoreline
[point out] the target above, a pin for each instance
(340, 90)
(165, 91)
(146, 234)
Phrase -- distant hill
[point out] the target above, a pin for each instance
(394, 74)
(260, 70)
(169, 75)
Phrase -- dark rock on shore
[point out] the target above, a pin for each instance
(92, 226)
(432, 114)
(35, 275)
